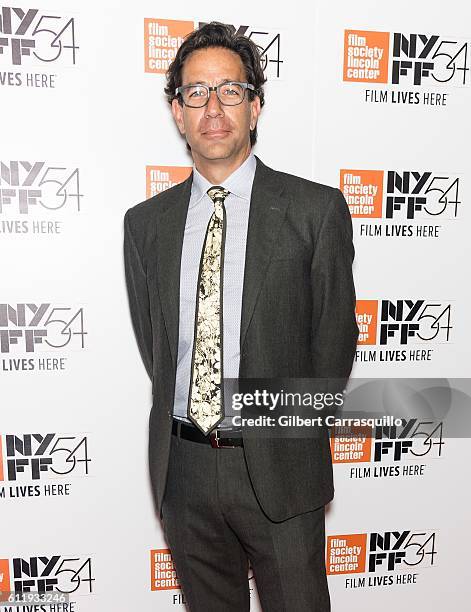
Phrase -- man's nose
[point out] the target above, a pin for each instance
(214, 106)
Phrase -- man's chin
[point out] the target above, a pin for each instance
(215, 151)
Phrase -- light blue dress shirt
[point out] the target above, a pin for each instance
(200, 209)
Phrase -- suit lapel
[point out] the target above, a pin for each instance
(170, 231)
(267, 211)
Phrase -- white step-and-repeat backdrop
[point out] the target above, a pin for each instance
(371, 98)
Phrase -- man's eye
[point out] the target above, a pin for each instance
(229, 91)
(232, 90)
(197, 92)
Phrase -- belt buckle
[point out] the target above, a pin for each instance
(216, 441)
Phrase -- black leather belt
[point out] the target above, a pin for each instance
(218, 438)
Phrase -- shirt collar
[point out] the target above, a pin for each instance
(238, 183)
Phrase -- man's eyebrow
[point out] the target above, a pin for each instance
(206, 83)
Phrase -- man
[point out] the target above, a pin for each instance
(239, 271)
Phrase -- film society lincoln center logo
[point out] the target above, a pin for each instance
(163, 574)
(160, 178)
(402, 203)
(411, 60)
(381, 559)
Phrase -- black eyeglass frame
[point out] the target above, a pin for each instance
(245, 86)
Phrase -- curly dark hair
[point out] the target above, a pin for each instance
(216, 34)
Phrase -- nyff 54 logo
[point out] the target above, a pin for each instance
(44, 574)
(405, 59)
(401, 195)
(29, 326)
(27, 186)
(39, 456)
(33, 37)
(401, 322)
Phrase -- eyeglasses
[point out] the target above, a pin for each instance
(229, 94)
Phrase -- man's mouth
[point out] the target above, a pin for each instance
(215, 133)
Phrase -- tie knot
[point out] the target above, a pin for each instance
(218, 193)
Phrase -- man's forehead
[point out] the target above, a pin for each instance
(212, 65)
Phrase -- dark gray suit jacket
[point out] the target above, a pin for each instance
(298, 318)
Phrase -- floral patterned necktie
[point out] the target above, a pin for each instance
(206, 398)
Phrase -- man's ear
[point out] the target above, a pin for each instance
(177, 112)
(255, 109)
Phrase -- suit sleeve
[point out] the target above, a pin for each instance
(334, 328)
(138, 296)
